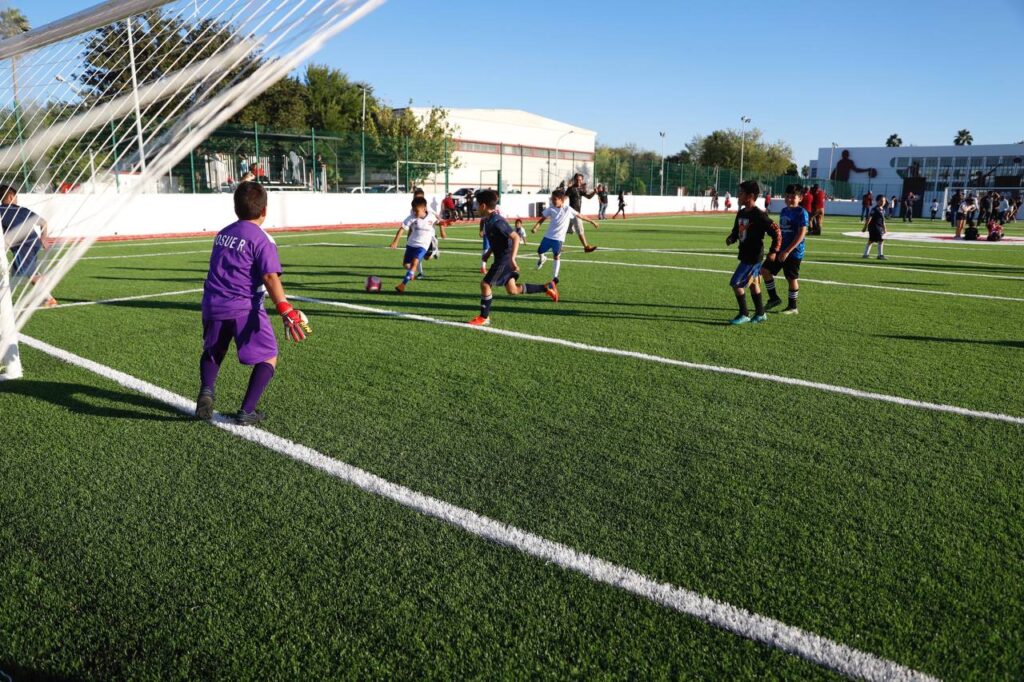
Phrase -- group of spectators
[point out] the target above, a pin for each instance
(991, 209)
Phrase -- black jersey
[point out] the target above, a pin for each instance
(749, 229)
(499, 236)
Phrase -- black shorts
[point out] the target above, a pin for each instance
(790, 267)
(500, 273)
(875, 235)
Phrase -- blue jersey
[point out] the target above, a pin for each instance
(791, 222)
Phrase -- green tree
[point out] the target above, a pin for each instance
(792, 170)
(335, 103)
(13, 22)
(284, 106)
(400, 135)
(963, 137)
(805, 171)
(722, 148)
(894, 140)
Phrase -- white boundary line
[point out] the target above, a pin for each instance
(762, 629)
(647, 357)
(123, 298)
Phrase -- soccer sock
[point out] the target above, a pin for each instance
(758, 302)
(534, 288)
(741, 299)
(793, 295)
(770, 286)
(485, 306)
(880, 254)
(408, 276)
(419, 267)
(208, 369)
(558, 266)
(258, 381)
(867, 249)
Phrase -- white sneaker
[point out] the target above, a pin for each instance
(541, 261)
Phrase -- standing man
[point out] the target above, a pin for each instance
(866, 204)
(908, 207)
(818, 208)
(577, 192)
(602, 202)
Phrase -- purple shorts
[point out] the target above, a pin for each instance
(253, 335)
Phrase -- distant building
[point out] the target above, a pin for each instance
(925, 171)
(532, 152)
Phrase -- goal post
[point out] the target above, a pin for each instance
(99, 107)
(410, 178)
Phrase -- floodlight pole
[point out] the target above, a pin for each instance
(135, 95)
(662, 163)
(558, 142)
(362, 155)
(744, 120)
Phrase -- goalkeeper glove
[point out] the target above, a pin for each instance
(296, 324)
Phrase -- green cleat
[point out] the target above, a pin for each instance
(739, 319)
(758, 319)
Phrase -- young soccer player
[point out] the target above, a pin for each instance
(935, 208)
(244, 267)
(560, 214)
(504, 242)
(749, 229)
(793, 222)
(25, 234)
(622, 206)
(421, 226)
(875, 226)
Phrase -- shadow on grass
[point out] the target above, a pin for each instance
(86, 400)
(17, 673)
(945, 339)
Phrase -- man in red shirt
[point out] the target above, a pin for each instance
(807, 201)
(448, 204)
(818, 209)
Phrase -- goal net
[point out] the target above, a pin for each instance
(98, 107)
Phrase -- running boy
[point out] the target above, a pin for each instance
(875, 226)
(793, 222)
(749, 229)
(504, 242)
(244, 267)
(421, 226)
(560, 215)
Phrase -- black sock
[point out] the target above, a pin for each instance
(741, 299)
(485, 306)
(770, 286)
(535, 288)
(793, 295)
(758, 302)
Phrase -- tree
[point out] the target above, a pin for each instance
(13, 22)
(805, 171)
(792, 170)
(723, 148)
(894, 141)
(335, 103)
(283, 106)
(400, 135)
(963, 137)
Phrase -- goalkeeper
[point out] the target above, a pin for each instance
(244, 268)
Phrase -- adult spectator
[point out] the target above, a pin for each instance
(467, 206)
(893, 205)
(807, 200)
(602, 202)
(818, 209)
(1004, 208)
(576, 193)
(714, 198)
(865, 205)
(908, 207)
(448, 207)
(953, 208)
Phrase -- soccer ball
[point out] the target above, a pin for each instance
(373, 284)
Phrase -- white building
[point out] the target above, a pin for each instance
(532, 153)
(925, 171)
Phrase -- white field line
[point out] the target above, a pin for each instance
(185, 241)
(123, 298)
(206, 251)
(707, 254)
(762, 629)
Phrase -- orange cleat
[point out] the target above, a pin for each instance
(589, 248)
(552, 291)
(480, 321)
(400, 287)
(50, 303)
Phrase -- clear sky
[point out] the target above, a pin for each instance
(807, 72)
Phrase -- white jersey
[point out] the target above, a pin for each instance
(421, 230)
(559, 218)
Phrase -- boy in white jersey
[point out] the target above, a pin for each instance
(420, 225)
(560, 214)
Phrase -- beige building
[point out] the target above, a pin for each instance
(533, 153)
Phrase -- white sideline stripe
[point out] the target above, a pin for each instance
(206, 251)
(123, 298)
(718, 369)
(709, 254)
(768, 631)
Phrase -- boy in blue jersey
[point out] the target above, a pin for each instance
(504, 246)
(793, 221)
(244, 268)
(749, 229)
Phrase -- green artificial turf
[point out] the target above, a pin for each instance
(137, 543)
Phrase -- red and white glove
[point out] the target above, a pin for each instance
(296, 324)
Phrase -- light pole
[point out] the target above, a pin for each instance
(362, 144)
(662, 163)
(744, 120)
(828, 176)
(557, 143)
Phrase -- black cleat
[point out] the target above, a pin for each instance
(204, 405)
(772, 303)
(249, 418)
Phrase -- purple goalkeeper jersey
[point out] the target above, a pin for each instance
(242, 254)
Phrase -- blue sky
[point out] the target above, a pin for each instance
(806, 72)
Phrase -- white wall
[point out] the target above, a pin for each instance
(74, 215)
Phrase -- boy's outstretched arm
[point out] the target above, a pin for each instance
(398, 235)
(296, 324)
(537, 224)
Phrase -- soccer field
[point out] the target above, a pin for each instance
(618, 485)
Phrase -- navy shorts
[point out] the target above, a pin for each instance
(790, 267)
(500, 273)
(26, 259)
(744, 273)
(875, 235)
(413, 253)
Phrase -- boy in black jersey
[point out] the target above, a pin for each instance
(749, 229)
(504, 246)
